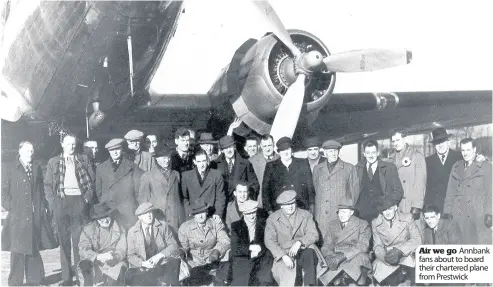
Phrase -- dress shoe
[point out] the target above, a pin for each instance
(67, 283)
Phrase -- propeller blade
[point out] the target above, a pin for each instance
(278, 28)
(289, 110)
(367, 60)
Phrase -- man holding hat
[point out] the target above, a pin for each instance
(153, 252)
(345, 248)
(117, 183)
(141, 158)
(438, 167)
(335, 181)
(395, 238)
(287, 171)
(290, 235)
(102, 248)
(234, 168)
(161, 187)
(314, 157)
(207, 143)
(251, 260)
(205, 244)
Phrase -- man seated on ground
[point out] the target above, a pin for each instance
(395, 238)
(251, 260)
(290, 235)
(205, 245)
(102, 249)
(233, 209)
(345, 249)
(439, 230)
(153, 252)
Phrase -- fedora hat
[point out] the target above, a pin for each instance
(101, 210)
(439, 135)
(206, 138)
(199, 206)
(226, 141)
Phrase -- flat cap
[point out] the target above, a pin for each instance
(114, 143)
(311, 142)
(384, 203)
(134, 135)
(331, 144)
(346, 206)
(226, 141)
(284, 143)
(249, 206)
(286, 197)
(144, 208)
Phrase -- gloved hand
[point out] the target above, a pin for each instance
(393, 256)
(416, 212)
(487, 220)
(214, 256)
(335, 260)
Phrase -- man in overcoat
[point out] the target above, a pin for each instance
(345, 248)
(69, 189)
(314, 156)
(117, 184)
(24, 199)
(251, 260)
(260, 160)
(233, 212)
(234, 168)
(142, 158)
(440, 230)
(153, 252)
(161, 187)
(468, 198)
(335, 182)
(287, 171)
(103, 249)
(377, 178)
(395, 238)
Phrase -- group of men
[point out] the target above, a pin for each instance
(253, 218)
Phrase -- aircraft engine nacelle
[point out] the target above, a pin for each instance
(260, 74)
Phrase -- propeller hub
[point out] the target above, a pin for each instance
(311, 61)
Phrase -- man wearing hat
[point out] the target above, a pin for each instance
(251, 260)
(153, 252)
(117, 183)
(290, 235)
(142, 158)
(102, 248)
(314, 157)
(345, 248)
(207, 143)
(287, 171)
(234, 168)
(181, 158)
(161, 187)
(438, 167)
(335, 181)
(395, 238)
(205, 244)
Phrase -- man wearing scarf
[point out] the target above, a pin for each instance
(69, 187)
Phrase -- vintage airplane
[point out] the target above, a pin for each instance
(102, 66)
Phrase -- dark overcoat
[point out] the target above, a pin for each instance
(242, 170)
(277, 176)
(447, 232)
(180, 165)
(259, 162)
(119, 189)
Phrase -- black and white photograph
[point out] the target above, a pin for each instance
(246, 143)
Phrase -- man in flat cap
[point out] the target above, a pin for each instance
(251, 260)
(377, 178)
(205, 245)
(234, 168)
(314, 156)
(206, 142)
(345, 248)
(103, 249)
(260, 160)
(153, 252)
(69, 187)
(440, 230)
(335, 181)
(290, 235)
(287, 171)
(140, 157)
(395, 238)
(117, 183)
(181, 158)
(161, 187)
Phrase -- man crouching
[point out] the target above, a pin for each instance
(345, 248)
(102, 249)
(153, 252)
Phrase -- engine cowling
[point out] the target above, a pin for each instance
(259, 75)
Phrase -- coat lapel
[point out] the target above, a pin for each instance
(382, 171)
(124, 168)
(294, 166)
(297, 224)
(339, 166)
(391, 234)
(350, 228)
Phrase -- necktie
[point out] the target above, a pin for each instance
(442, 158)
(148, 235)
(230, 166)
(343, 225)
(370, 172)
(29, 172)
(433, 231)
(202, 175)
(115, 164)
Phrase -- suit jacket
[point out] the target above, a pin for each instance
(180, 165)
(448, 232)
(119, 189)
(277, 176)
(164, 239)
(211, 191)
(242, 170)
(437, 178)
(259, 162)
